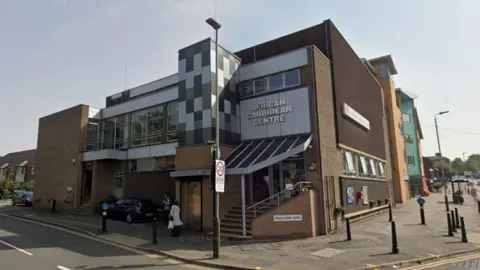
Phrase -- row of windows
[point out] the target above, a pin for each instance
(18, 170)
(154, 125)
(271, 83)
(367, 167)
(411, 160)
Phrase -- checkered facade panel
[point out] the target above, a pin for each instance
(197, 97)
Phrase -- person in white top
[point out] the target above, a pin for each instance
(175, 219)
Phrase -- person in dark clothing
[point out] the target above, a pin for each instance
(166, 208)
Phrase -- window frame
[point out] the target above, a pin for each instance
(167, 123)
(373, 170)
(251, 86)
(363, 165)
(297, 73)
(381, 169)
(406, 117)
(411, 160)
(349, 163)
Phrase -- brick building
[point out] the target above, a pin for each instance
(302, 130)
(18, 166)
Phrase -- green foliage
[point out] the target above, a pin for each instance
(438, 185)
(458, 166)
(9, 186)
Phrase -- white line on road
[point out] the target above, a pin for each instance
(62, 267)
(14, 247)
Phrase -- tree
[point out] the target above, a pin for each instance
(458, 166)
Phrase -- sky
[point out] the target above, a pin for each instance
(55, 54)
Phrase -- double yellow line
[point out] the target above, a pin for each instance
(443, 262)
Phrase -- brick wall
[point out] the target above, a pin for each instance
(376, 191)
(264, 226)
(59, 141)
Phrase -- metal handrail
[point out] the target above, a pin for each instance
(272, 198)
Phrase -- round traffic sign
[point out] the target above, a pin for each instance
(220, 168)
(421, 201)
(105, 206)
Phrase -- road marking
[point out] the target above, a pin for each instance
(14, 247)
(63, 268)
(447, 261)
(372, 266)
(94, 238)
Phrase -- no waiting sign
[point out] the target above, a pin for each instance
(219, 175)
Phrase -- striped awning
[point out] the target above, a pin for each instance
(251, 156)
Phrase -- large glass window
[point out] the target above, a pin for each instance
(172, 111)
(108, 133)
(363, 166)
(139, 128)
(348, 164)
(276, 82)
(120, 133)
(260, 85)
(292, 78)
(155, 124)
(372, 170)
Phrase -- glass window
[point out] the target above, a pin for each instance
(260, 85)
(133, 165)
(276, 82)
(410, 160)
(372, 169)
(292, 78)
(108, 133)
(119, 132)
(408, 138)
(172, 133)
(348, 162)
(381, 170)
(363, 166)
(155, 124)
(139, 128)
(406, 117)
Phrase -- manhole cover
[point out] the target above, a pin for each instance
(327, 252)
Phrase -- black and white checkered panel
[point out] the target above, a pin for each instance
(196, 96)
(229, 106)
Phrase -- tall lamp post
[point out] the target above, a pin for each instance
(438, 141)
(216, 222)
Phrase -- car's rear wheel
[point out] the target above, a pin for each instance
(129, 218)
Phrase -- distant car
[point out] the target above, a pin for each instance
(22, 197)
(131, 210)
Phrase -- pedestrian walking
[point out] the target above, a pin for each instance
(175, 224)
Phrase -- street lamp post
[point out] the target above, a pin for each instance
(216, 222)
(438, 141)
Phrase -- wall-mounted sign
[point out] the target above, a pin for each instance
(350, 195)
(365, 194)
(355, 116)
(269, 112)
(280, 218)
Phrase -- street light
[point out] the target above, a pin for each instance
(438, 141)
(216, 151)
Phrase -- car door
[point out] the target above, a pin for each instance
(114, 210)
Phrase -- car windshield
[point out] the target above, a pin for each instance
(28, 193)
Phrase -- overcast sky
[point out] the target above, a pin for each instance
(58, 53)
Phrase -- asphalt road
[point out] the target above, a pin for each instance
(462, 262)
(24, 245)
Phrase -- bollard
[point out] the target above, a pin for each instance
(457, 220)
(422, 214)
(349, 233)
(104, 221)
(54, 205)
(464, 231)
(154, 234)
(394, 239)
(478, 205)
(386, 201)
(452, 220)
(371, 204)
(449, 224)
(390, 215)
(446, 203)
(379, 203)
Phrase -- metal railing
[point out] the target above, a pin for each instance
(280, 197)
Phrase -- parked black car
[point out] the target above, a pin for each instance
(22, 197)
(132, 210)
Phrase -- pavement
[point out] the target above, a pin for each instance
(24, 245)
(370, 246)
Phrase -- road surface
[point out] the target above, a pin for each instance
(25, 245)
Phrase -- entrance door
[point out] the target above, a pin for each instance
(260, 185)
(118, 185)
(194, 204)
(87, 187)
